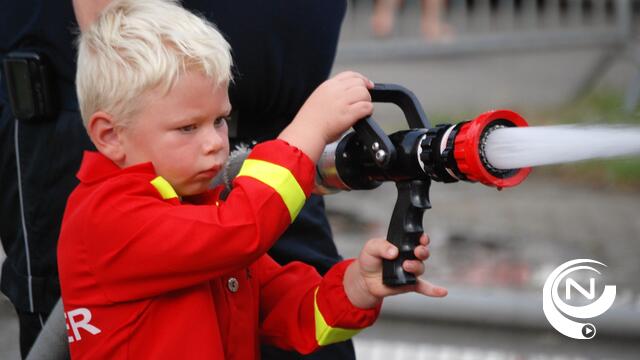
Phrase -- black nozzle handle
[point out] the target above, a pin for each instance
(405, 99)
(375, 141)
(405, 229)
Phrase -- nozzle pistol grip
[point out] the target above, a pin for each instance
(405, 229)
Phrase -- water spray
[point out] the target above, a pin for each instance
(545, 145)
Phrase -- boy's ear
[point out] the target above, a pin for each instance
(104, 134)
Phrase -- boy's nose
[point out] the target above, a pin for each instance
(212, 142)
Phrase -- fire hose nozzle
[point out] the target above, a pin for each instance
(444, 153)
(412, 158)
(463, 147)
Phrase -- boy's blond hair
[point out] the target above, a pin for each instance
(139, 45)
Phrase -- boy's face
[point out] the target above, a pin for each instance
(184, 133)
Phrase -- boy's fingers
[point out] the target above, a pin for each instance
(361, 109)
(357, 93)
(352, 74)
(347, 74)
(358, 82)
(389, 251)
(344, 74)
(427, 288)
(355, 82)
(421, 252)
(415, 267)
(424, 239)
(374, 251)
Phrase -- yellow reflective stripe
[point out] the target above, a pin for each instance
(164, 188)
(325, 334)
(280, 179)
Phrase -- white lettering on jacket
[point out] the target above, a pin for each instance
(79, 319)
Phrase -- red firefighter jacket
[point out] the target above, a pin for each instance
(146, 275)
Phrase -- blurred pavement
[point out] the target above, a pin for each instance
(494, 250)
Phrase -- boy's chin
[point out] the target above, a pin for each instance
(193, 189)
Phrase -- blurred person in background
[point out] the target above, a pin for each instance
(38, 157)
(282, 51)
(432, 26)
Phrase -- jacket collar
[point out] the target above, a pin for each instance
(96, 167)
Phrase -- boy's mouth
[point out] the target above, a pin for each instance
(210, 173)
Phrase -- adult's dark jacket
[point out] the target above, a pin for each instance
(282, 51)
(38, 161)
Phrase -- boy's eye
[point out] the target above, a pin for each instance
(188, 128)
(220, 121)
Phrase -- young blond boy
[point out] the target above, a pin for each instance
(152, 263)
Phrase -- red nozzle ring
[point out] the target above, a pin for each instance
(467, 149)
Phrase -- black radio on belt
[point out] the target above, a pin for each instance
(29, 81)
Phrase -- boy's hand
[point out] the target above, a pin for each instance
(337, 104)
(330, 111)
(363, 278)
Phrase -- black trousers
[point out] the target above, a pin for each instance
(30, 326)
(343, 351)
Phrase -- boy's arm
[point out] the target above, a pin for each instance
(330, 110)
(140, 246)
(299, 310)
